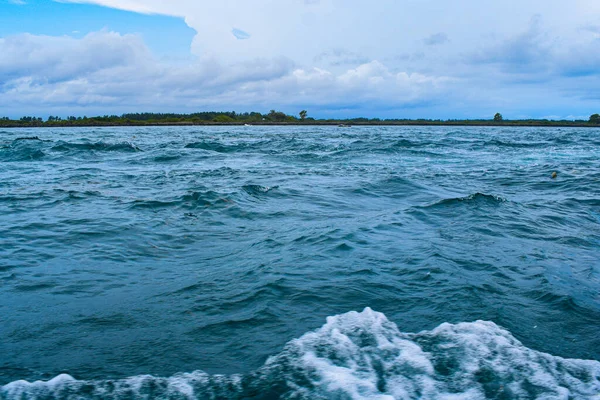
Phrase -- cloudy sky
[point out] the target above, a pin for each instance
(335, 58)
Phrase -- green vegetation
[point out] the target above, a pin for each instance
(272, 118)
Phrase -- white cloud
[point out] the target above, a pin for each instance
(302, 29)
(460, 58)
(108, 69)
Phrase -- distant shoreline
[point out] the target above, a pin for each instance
(274, 118)
(346, 124)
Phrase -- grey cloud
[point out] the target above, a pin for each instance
(55, 59)
(436, 39)
(527, 51)
(591, 28)
(341, 57)
(582, 60)
(536, 55)
(407, 57)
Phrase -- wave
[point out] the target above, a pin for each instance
(23, 149)
(257, 190)
(30, 138)
(207, 198)
(190, 200)
(215, 146)
(166, 158)
(34, 148)
(475, 198)
(364, 356)
(516, 145)
(405, 143)
(98, 146)
(393, 186)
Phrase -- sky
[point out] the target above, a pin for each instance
(335, 58)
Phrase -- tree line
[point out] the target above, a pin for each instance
(272, 117)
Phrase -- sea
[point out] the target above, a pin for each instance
(300, 262)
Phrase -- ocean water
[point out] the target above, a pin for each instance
(300, 263)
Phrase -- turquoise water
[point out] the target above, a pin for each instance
(300, 262)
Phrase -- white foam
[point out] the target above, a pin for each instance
(365, 356)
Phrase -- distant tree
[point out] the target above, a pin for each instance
(498, 117)
(276, 116)
(303, 114)
(223, 119)
(255, 117)
(595, 119)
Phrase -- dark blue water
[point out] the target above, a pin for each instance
(182, 262)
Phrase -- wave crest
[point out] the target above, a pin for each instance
(475, 198)
(98, 146)
(23, 149)
(257, 190)
(364, 355)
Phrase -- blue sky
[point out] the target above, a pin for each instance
(46, 17)
(335, 58)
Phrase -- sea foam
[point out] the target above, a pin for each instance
(364, 356)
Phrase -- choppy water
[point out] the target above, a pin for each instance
(183, 262)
